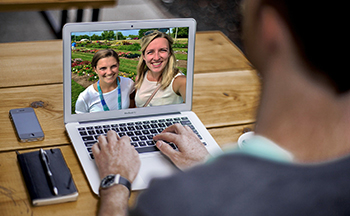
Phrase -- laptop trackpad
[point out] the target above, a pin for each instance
(156, 166)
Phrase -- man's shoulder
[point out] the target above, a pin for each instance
(234, 182)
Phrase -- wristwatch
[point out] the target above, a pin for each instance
(113, 179)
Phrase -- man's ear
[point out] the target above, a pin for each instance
(272, 36)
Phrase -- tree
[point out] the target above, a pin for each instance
(108, 35)
(182, 32)
(120, 36)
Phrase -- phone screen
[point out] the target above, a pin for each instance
(26, 124)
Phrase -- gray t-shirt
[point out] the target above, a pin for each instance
(241, 184)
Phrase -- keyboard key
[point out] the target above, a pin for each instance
(83, 133)
(89, 143)
(161, 125)
(150, 143)
(154, 125)
(142, 143)
(88, 138)
(130, 133)
(99, 131)
(138, 127)
(121, 134)
(135, 139)
(147, 149)
(91, 132)
(131, 128)
(145, 132)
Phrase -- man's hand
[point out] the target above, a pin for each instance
(191, 149)
(115, 155)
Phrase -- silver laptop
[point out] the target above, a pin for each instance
(80, 41)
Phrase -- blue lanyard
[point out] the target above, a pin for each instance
(103, 102)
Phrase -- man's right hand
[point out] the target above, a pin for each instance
(191, 149)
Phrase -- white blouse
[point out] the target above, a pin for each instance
(89, 99)
(162, 97)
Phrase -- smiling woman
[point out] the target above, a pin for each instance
(159, 81)
(111, 91)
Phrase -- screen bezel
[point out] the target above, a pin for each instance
(124, 25)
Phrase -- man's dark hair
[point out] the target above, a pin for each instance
(320, 31)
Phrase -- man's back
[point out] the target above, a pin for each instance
(238, 184)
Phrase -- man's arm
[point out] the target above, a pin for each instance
(114, 155)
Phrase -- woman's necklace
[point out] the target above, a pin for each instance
(103, 102)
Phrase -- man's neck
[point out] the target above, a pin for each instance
(304, 117)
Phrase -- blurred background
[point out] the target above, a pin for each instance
(223, 15)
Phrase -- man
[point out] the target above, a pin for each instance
(305, 109)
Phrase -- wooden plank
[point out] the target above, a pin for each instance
(31, 63)
(19, 5)
(226, 98)
(228, 136)
(50, 115)
(215, 52)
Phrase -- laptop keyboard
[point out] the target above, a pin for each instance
(140, 132)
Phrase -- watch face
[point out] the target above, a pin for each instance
(108, 181)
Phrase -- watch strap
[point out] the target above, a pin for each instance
(124, 182)
(118, 179)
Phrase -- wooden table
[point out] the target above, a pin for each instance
(40, 5)
(44, 5)
(226, 95)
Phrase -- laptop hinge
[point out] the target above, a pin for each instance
(129, 118)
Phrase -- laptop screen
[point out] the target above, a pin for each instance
(96, 86)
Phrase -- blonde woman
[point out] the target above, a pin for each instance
(158, 74)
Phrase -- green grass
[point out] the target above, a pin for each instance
(83, 56)
(128, 66)
(76, 90)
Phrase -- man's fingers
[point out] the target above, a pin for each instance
(95, 149)
(169, 137)
(166, 149)
(176, 128)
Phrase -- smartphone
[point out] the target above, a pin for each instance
(26, 124)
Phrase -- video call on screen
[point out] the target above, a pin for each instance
(127, 44)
